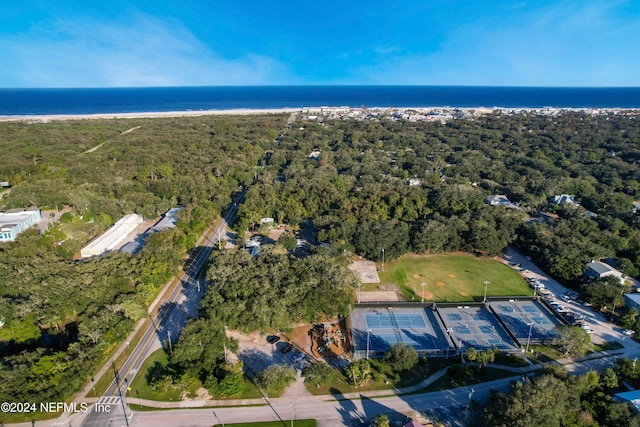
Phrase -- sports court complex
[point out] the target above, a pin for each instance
(383, 326)
(448, 328)
(524, 317)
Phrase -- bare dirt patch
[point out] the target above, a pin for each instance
(417, 276)
(441, 284)
(452, 276)
(372, 296)
(366, 271)
(464, 294)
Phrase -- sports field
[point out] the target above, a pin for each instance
(453, 277)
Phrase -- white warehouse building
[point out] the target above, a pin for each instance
(112, 237)
(14, 222)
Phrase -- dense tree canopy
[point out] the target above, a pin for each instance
(275, 290)
(60, 317)
(557, 399)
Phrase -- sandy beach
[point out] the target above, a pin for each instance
(147, 115)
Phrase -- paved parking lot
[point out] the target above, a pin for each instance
(603, 331)
(257, 353)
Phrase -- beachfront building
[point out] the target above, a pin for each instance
(14, 222)
(111, 238)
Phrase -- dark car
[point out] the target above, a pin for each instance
(287, 348)
(272, 339)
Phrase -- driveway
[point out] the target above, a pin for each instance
(257, 354)
(603, 330)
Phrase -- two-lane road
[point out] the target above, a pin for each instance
(165, 326)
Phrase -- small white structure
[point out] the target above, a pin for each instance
(267, 220)
(500, 200)
(599, 269)
(14, 222)
(314, 154)
(414, 182)
(564, 199)
(112, 237)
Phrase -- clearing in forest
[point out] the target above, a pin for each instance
(453, 277)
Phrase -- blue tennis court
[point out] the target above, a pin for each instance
(462, 330)
(379, 328)
(528, 321)
(475, 326)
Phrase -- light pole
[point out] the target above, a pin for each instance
(529, 338)
(368, 331)
(169, 338)
(219, 422)
(486, 283)
(292, 416)
(359, 286)
(423, 284)
(383, 260)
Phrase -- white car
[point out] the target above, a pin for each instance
(628, 332)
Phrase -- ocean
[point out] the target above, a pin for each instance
(137, 100)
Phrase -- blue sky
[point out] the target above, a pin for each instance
(93, 43)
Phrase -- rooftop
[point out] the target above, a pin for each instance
(600, 267)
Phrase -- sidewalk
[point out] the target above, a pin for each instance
(357, 395)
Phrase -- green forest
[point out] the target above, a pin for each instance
(356, 191)
(61, 318)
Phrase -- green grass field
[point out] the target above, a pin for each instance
(453, 277)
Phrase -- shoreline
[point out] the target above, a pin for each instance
(146, 115)
(44, 118)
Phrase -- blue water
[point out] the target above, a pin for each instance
(132, 100)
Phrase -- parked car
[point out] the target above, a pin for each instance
(272, 339)
(628, 332)
(297, 357)
(287, 348)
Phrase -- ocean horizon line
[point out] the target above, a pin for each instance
(336, 85)
(85, 101)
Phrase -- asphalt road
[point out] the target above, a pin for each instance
(328, 413)
(603, 331)
(181, 304)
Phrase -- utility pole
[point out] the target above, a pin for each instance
(368, 331)
(383, 260)
(423, 284)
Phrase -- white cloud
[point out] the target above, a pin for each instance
(140, 52)
(569, 44)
